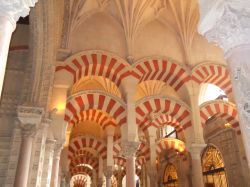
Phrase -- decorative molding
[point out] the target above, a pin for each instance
(129, 149)
(226, 23)
(30, 115)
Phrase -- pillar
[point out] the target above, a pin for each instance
(9, 14)
(182, 172)
(48, 160)
(100, 172)
(226, 23)
(23, 166)
(55, 166)
(130, 171)
(152, 142)
(29, 118)
(110, 161)
(129, 150)
(197, 177)
(39, 144)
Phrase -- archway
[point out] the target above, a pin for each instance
(213, 168)
(170, 178)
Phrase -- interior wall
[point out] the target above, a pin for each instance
(226, 142)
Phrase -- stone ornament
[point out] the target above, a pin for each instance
(241, 78)
(129, 148)
(226, 22)
(30, 115)
(14, 9)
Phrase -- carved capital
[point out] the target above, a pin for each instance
(58, 148)
(29, 115)
(129, 148)
(28, 130)
(109, 171)
(225, 22)
(15, 8)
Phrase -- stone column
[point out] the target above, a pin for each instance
(48, 159)
(110, 160)
(100, 172)
(130, 171)
(129, 150)
(9, 14)
(38, 151)
(182, 172)
(30, 118)
(197, 177)
(55, 166)
(227, 24)
(152, 142)
(108, 174)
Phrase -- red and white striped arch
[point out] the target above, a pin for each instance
(78, 144)
(94, 115)
(141, 160)
(143, 151)
(79, 180)
(81, 170)
(95, 63)
(222, 109)
(170, 144)
(87, 100)
(165, 119)
(178, 111)
(164, 70)
(93, 162)
(120, 161)
(214, 74)
(117, 149)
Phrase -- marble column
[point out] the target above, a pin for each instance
(100, 172)
(129, 150)
(48, 159)
(110, 160)
(152, 142)
(55, 166)
(227, 24)
(108, 174)
(24, 157)
(9, 14)
(197, 177)
(29, 119)
(130, 171)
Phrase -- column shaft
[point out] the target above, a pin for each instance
(197, 177)
(22, 173)
(110, 160)
(153, 170)
(100, 172)
(130, 172)
(55, 172)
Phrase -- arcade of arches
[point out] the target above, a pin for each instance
(124, 93)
